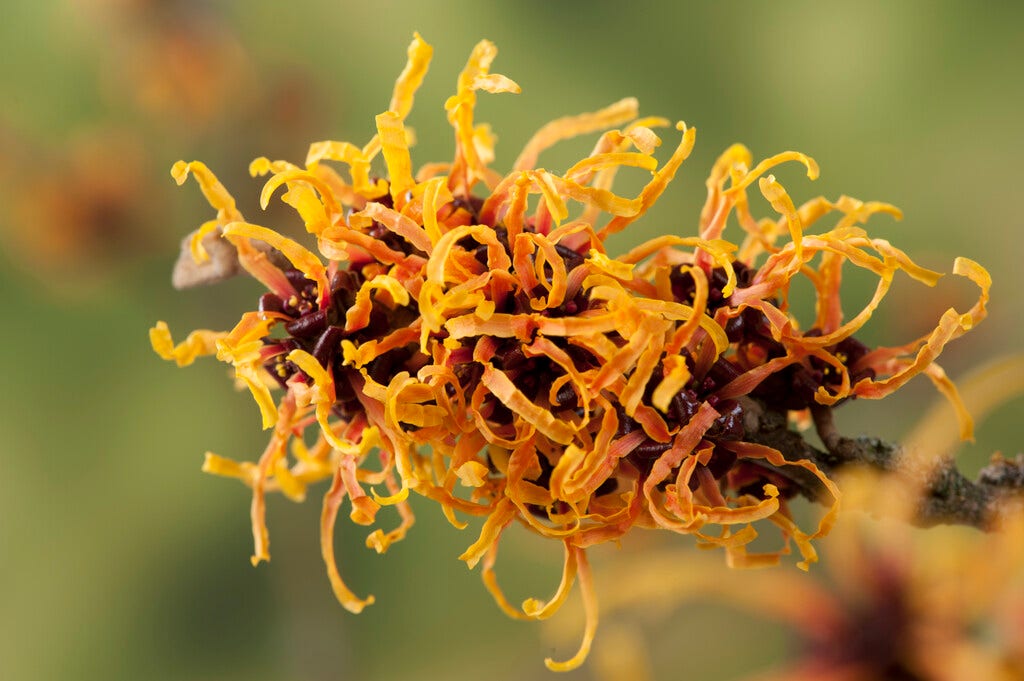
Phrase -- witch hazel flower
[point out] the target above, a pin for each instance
(464, 335)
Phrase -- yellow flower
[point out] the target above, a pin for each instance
(578, 394)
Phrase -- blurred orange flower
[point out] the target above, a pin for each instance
(73, 211)
(908, 604)
(480, 315)
(176, 60)
(899, 604)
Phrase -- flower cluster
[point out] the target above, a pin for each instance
(465, 336)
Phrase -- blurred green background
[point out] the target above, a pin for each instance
(120, 560)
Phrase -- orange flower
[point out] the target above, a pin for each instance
(577, 394)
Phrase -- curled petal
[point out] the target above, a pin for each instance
(497, 521)
(409, 81)
(196, 344)
(395, 147)
(656, 186)
(618, 113)
(211, 187)
(591, 612)
(332, 501)
(303, 260)
(504, 389)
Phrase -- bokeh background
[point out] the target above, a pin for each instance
(120, 560)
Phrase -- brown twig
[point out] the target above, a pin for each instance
(946, 495)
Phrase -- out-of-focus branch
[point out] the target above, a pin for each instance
(945, 495)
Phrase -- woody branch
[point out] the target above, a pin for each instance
(945, 495)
